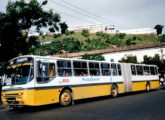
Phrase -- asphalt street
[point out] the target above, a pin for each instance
(130, 106)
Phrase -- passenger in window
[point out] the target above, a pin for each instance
(65, 73)
(83, 74)
(97, 73)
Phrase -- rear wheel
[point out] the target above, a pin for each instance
(114, 91)
(148, 87)
(65, 98)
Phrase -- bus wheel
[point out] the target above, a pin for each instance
(66, 98)
(148, 87)
(114, 91)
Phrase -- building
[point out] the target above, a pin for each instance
(90, 28)
(139, 31)
(110, 29)
(116, 54)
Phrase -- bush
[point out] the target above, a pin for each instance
(128, 42)
(121, 35)
(95, 44)
(162, 38)
(57, 35)
(71, 45)
(85, 33)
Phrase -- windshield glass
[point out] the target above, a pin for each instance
(19, 71)
(19, 75)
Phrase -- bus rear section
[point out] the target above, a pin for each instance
(138, 77)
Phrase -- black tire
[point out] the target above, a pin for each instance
(65, 98)
(148, 87)
(114, 91)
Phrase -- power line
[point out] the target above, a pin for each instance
(71, 9)
(89, 13)
(58, 11)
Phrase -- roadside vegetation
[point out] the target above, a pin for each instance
(84, 41)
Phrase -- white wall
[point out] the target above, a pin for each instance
(139, 53)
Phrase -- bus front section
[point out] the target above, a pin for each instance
(19, 82)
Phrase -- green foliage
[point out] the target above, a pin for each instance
(121, 35)
(49, 49)
(64, 27)
(95, 44)
(159, 29)
(155, 60)
(93, 57)
(162, 38)
(71, 45)
(56, 35)
(85, 33)
(128, 42)
(16, 22)
(69, 32)
(129, 59)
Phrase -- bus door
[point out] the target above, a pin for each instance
(127, 77)
(45, 75)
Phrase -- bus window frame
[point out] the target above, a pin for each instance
(50, 78)
(65, 68)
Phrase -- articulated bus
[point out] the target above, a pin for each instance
(36, 80)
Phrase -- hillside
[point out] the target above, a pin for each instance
(77, 42)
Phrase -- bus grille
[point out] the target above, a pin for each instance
(11, 98)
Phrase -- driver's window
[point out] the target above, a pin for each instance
(45, 72)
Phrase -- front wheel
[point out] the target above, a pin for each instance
(148, 87)
(65, 98)
(114, 91)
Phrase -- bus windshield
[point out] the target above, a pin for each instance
(19, 71)
(19, 75)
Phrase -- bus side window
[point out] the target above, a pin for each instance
(94, 68)
(119, 69)
(105, 69)
(114, 69)
(156, 70)
(80, 68)
(139, 69)
(64, 68)
(146, 70)
(133, 69)
(45, 72)
(152, 70)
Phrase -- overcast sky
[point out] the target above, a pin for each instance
(124, 14)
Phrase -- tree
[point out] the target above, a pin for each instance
(85, 33)
(159, 29)
(129, 59)
(93, 57)
(64, 27)
(162, 38)
(155, 60)
(16, 23)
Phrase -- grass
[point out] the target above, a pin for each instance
(140, 39)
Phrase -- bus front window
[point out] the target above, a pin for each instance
(19, 74)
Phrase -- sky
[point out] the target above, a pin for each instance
(124, 14)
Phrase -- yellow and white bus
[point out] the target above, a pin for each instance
(36, 80)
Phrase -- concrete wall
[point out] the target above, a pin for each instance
(116, 56)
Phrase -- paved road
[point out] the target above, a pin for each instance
(133, 106)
